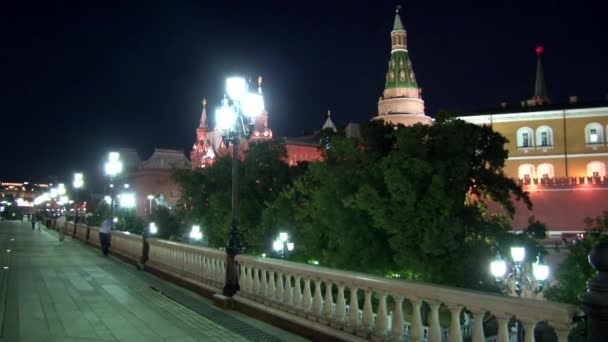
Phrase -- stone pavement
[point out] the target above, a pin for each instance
(66, 291)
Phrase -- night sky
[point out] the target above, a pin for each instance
(79, 78)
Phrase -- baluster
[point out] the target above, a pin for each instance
(478, 334)
(455, 328)
(340, 305)
(397, 324)
(367, 311)
(381, 316)
(263, 284)
(416, 329)
(307, 298)
(270, 291)
(562, 333)
(328, 302)
(297, 292)
(246, 286)
(317, 301)
(353, 309)
(242, 278)
(434, 325)
(256, 281)
(503, 329)
(280, 291)
(288, 290)
(529, 327)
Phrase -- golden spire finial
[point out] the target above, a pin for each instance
(204, 102)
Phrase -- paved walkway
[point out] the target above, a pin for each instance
(66, 291)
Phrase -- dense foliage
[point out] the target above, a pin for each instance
(409, 202)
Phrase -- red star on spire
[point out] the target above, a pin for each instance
(539, 50)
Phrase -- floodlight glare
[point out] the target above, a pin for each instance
(153, 228)
(61, 189)
(283, 236)
(277, 245)
(290, 246)
(540, 271)
(236, 87)
(498, 268)
(196, 233)
(252, 104)
(114, 165)
(225, 118)
(127, 200)
(518, 253)
(78, 181)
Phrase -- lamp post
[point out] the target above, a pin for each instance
(113, 167)
(520, 279)
(150, 198)
(77, 184)
(235, 119)
(282, 244)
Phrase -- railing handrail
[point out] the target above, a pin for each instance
(126, 235)
(188, 248)
(529, 309)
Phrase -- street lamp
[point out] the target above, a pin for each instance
(520, 278)
(77, 183)
(112, 168)
(195, 233)
(282, 244)
(150, 198)
(235, 119)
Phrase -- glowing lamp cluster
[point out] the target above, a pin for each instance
(281, 243)
(498, 267)
(196, 233)
(127, 200)
(113, 166)
(152, 228)
(250, 104)
(78, 181)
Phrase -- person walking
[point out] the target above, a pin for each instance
(105, 237)
(61, 223)
(34, 220)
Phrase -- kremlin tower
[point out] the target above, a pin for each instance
(401, 103)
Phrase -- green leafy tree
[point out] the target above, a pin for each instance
(409, 201)
(168, 224)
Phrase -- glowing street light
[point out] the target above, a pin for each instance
(235, 119)
(195, 233)
(113, 166)
(127, 200)
(282, 244)
(78, 181)
(153, 228)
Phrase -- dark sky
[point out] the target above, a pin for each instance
(81, 77)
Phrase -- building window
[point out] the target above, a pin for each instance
(525, 140)
(524, 137)
(526, 171)
(596, 169)
(546, 170)
(544, 136)
(594, 133)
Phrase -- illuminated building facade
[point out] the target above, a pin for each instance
(559, 153)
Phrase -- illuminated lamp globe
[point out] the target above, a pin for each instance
(498, 268)
(290, 246)
(540, 271)
(236, 88)
(225, 118)
(283, 236)
(277, 245)
(252, 104)
(518, 253)
(153, 228)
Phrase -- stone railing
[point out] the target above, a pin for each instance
(563, 181)
(126, 244)
(324, 299)
(80, 231)
(94, 236)
(206, 267)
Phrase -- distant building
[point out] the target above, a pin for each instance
(152, 177)
(558, 153)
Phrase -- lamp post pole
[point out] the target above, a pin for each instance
(236, 121)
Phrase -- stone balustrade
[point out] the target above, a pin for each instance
(358, 304)
(94, 236)
(206, 267)
(126, 244)
(80, 231)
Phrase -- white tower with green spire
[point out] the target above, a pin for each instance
(401, 102)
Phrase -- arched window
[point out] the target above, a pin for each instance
(525, 137)
(596, 169)
(544, 136)
(594, 133)
(545, 170)
(526, 171)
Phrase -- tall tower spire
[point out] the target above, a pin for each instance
(541, 96)
(203, 122)
(401, 102)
